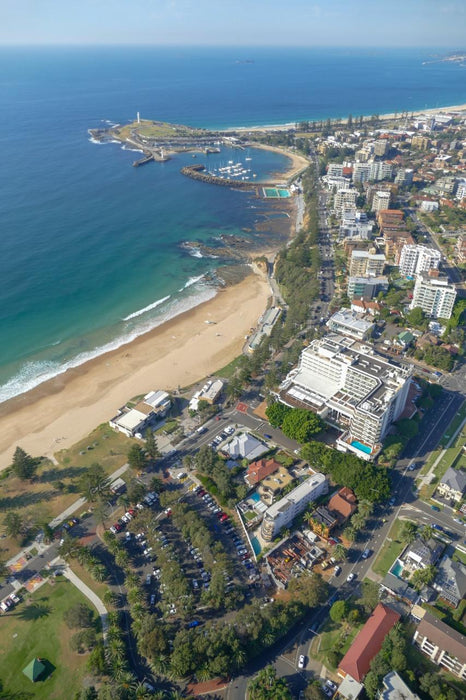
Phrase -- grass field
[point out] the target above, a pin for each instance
(229, 370)
(38, 630)
(391, 549)
(328, 636)
(54, 489)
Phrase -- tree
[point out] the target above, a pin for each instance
(94, 484)
(427, 532)
(136, 491)
(156, 484)
(423, 577)
(136, 457)
(80, 615)
(266, 685)
(339, 611)
(369, 596)
(234, 388)
(314, 691)
(407, 428)
(340, 553)
(408, 532)
(13, 524)
(416, 317)
(23, 465)
(309, 589)
(152, 448)
(301, 425)
(276, 413)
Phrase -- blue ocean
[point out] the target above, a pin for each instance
(91, 252)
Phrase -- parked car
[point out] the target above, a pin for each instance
(351, 577)
(366, 553)
(337, 570)
(301, 661)
(436, 508)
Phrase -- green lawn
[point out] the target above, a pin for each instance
(104, 445)
(454, 425)
(328, 636)
(38, 630)
(391, 549)
(229, 370)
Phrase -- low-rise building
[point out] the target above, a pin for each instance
(322, 521)
(135, 421)
(260, 469)
(420, 554)
(349, 323)
(343, 504)
(273, 485)
(360, 306)
(452, 485)
(394, 688)
(210, 392)
(245, 446)
(283, 512)
(443, 645)
(368, 642)
(450, 581)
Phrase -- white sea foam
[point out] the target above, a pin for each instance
(139, 312)
(136, 150)
(191, 281)
(194, 252)
(34, 373)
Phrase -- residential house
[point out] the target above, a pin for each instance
(368, 642)
(450, 581)
(399, 589)
(443, 645)
(274, 483)
(452, 484)
(322, 521)
(420, 554)
(260, 469)
(343, 504)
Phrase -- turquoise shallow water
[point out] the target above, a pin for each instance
(87, 242)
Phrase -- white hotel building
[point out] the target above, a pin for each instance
(350, 387)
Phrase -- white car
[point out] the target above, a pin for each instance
(351, 577)
(302, 661)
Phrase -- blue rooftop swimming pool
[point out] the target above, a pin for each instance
(254, 497)
(359, 446)
(256, 545)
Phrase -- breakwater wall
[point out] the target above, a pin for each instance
(197, 172)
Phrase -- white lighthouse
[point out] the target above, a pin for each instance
(139, 121)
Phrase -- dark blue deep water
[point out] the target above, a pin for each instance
(87, 241)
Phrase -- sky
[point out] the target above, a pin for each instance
(432, 23)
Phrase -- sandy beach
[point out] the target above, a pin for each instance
(391, 115)
(59, 412)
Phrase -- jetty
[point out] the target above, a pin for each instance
(142, 161)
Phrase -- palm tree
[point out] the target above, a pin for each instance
(70, 548)
(340, 552)
(365, 508)
(99, 572)
(203, 674)
(427, 532)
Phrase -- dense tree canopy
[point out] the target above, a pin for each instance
(369, 481)
(301, 425)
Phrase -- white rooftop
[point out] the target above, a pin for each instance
(131, 420)
(156, 398)
(244, 445)
(296, 494)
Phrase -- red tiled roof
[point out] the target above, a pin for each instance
(261, 468)
(343, 502)
(368, 642)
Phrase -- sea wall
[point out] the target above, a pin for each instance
(196, 172)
